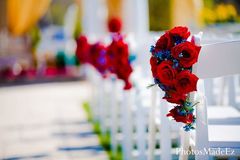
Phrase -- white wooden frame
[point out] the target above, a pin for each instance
(212, 63)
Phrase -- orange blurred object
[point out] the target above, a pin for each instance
(24, 14)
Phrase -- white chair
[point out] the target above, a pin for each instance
(227, 113)
(166, 128)
(216, 60)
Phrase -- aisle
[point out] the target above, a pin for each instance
(46, 121)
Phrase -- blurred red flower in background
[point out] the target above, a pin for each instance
(118, 54)
(82, 51)
(114, 24)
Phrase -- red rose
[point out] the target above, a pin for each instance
(186, 82)
(187, 53)
(118, 55)
(153, 62)
(174, 97)
(124, 72)
(164, 42)
(127, 85)
(98, 58)
(188, 118)
(180, 32)
(165, 73)
(82, 51)
(114, 24)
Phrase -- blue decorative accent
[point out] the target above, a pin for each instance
(156, 81)
(164, 88)
(159, 55)
(132, 57)
(163, 55)
(187, 128)
(175, 63)
(152, 48)
(188, 104)
(182, 112)
(177, 40)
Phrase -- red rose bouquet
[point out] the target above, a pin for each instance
(118, 56)
(94, 54)
(171, 64)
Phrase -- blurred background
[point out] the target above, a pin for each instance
(38, 43)
(37, 39)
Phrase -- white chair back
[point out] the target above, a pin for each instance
(215, 60)
(218, 60)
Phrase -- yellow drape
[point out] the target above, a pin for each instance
(186, 12)
(114, 8)
(23, 14)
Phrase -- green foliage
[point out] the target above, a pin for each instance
(76, 61)
(118, 155)
(103, 139)
(96, 127)
(35, 35)
(78, 27)
(87, 109)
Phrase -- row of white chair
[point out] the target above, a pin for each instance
(217, 126)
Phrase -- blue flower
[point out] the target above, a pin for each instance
(156, 81)
(175, 63)
(182, 112)
(152, 48)
(188, 127)
(163, 87)
(188, 104)
(159, 55)
(132, 57)
(163, 55)
(177, 40)
(167, 54)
